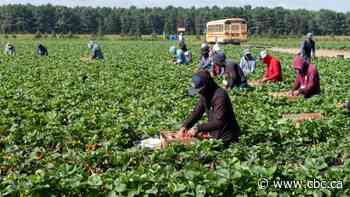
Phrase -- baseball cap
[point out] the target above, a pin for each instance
(309, 35)
(196, 85)
(205, 50)
(246, 52)
(263, 54)
(219, 58)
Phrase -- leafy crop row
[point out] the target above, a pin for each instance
(68, 127)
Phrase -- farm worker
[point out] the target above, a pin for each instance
(307, 81)
(307, 49)
(96, 52)
(10, 49)
(205, 61)
(247, 63)
(183, 46)
(181, 37)
(273, 70)
(41, 50)
(347, 106)
(178, 55)
(216, 47)
(216, 104)
(214, 50)
(231, 72)
(187, 53)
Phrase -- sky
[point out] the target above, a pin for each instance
(337, 5)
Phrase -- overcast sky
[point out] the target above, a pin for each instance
(337, 5)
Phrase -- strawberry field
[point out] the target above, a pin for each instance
(69, 127)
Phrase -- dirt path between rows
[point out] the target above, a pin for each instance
(319, 52)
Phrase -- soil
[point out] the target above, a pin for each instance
(319, 52)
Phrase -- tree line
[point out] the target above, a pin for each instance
(138, 21)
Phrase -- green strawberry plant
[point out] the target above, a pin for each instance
(69, 127)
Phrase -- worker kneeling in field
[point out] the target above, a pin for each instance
(216, 104)
(273, 72)
(307, 80)
(10, 49)
(187, 53)
(41, 50)
(247, 63)
(233, 75)
(205, 62)
(178, 56)
(96, 51)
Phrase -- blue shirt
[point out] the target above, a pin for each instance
(180, 57)
(96, 52)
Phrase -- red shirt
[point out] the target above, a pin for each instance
(273, 69)
(308, 84)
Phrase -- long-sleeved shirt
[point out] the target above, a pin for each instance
(222, 123)
(234, 75)
(96, 52)
(247, 66)
(42, 51)
(306, 48)
(308, 84)
(10, 50)
(273, 70)
(205, 63)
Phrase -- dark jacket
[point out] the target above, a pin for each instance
(222, 124)
(306, 48)
(308, 84)
(234, 75)
(42, 51)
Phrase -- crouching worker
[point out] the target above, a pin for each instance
(307, 82)
(233, 75)
(205, 62)
(178, 56)
(216, 104)
(247, 63)
(10, 49)
(273, 72)
(41, 50)
(347, 106)
(96, 52)
(187, 53)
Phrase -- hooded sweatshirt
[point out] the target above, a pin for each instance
(273, 69)
(234, 75)
(309, 83)
(215, 102)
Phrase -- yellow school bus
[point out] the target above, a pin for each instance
(231, 30)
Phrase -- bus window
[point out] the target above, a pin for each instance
(235, 27)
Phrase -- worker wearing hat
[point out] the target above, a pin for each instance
(307, 82)
(307, 48)
(273, 72)
(247, 63)
(178, 56)
(231, 72)
(41, 50)
(10, 49)
(187, 53)
(216, 104)
(205, 61)
(96, 51)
